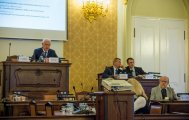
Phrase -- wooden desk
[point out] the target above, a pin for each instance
(34, 79)
(21, 108)
(81, 117)
(58, 113)
(175, 107)
(162, 117)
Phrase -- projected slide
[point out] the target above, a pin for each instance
(33, 19)
(35, 14)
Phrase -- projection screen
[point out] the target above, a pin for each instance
(33, 19)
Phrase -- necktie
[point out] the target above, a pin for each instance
(45, 54)
(116, 71)
(133, 72)
(164, 93)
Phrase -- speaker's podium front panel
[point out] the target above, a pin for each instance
(34, 79)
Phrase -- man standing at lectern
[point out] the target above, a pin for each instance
(42, 54)
(132, 70)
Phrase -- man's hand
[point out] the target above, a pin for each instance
(116, 76)
(46, 60)
(141, 76)
(121, 66)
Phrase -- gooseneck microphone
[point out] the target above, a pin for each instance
(74, 89)
(92, 89)
(82, 86)
(153, 73)
(9, 48)
(157, 75)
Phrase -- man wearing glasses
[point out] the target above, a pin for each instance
(43, 53)
(162, 91)
(113, 71)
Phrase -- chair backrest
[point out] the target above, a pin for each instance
(99, 76)
(49, 109)
(33, 108)
(83, 95)
(155, 108)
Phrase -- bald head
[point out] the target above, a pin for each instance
(46, 43)
(163, 81)
(46, 40)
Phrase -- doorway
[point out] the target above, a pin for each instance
(158, 46)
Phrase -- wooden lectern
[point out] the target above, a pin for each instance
(33, 79)
(115, 106)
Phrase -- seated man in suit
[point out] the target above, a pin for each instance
(42, 54)
(163, 92)
(113, 71)
(131, 70)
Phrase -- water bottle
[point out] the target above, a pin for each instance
(15, 96)
(41, 59)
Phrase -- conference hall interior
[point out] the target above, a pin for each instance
(94, 59)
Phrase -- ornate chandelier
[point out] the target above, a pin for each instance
(94, 8)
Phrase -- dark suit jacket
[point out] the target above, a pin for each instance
(109, 72)
(138, 71)
(37, 53)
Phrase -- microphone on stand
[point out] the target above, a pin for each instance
(153, 73)
(74, 89)
(158, 76)
(9, 48)
(92, 89)
(8, 57)
(82, 86)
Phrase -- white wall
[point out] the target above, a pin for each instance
(176, 9)
(25, 47)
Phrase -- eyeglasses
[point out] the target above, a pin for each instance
(164, 81)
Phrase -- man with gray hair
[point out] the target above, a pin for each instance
(42, 54)
(162, 91)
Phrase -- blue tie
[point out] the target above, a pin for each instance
(45, 54)
(116, 72)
